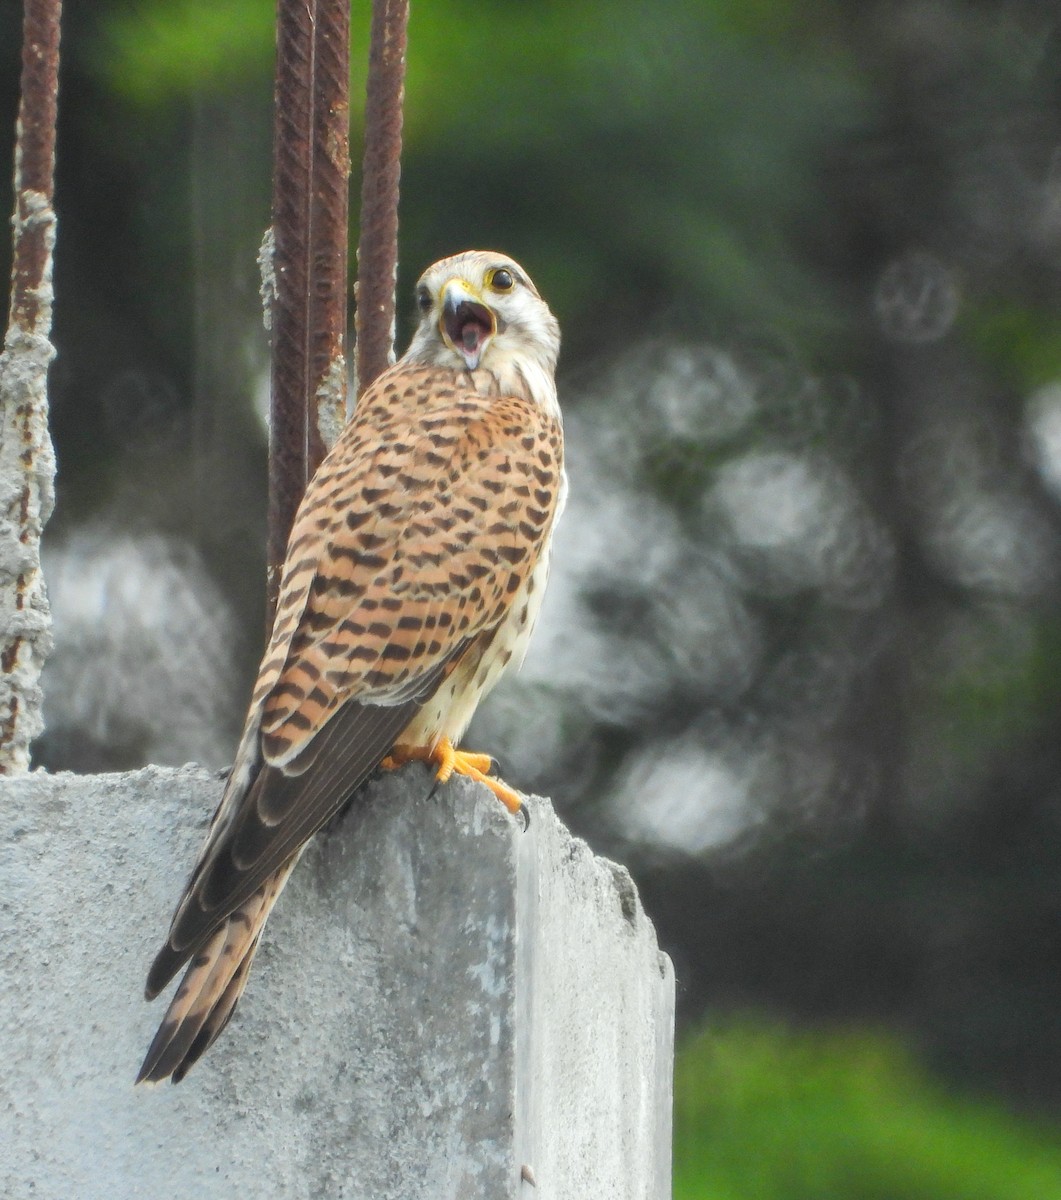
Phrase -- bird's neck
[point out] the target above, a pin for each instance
(503, 372)
(524, 375)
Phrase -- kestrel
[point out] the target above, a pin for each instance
(414, 574)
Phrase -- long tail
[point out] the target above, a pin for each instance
(214, 981)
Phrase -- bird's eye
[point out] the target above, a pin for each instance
(423, 298)
(501, 280)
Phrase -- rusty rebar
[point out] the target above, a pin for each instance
(311, 168)
(377, 253)
(35, 159)
(27, 463)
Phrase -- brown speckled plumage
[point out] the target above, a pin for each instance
(413, 577)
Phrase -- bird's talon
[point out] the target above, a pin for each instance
(509, 798)
(452, 762)
(480, 762)
(446, 757)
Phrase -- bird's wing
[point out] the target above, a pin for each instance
(410, 546)
(408, 543)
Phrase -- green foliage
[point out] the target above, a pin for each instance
(765, 1113)
(1019, 340)
(650, 169)
(150, 52)
(646, 167)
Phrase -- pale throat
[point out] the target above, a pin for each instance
(519, 373)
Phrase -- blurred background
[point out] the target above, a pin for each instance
(800, 662)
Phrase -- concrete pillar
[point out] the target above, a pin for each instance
(444, 1005)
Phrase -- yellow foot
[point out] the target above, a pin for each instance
(454, 762)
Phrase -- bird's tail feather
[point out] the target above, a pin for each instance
(214, 981)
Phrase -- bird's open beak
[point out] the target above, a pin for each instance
(466, 323)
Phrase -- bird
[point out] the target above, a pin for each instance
(414, 574)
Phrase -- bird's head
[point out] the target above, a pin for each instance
(480, 309)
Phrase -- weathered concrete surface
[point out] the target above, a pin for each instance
(440, 1000)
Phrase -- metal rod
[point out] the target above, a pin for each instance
(27, 461)
(35, 160)
(377, 253)
(311, 168)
